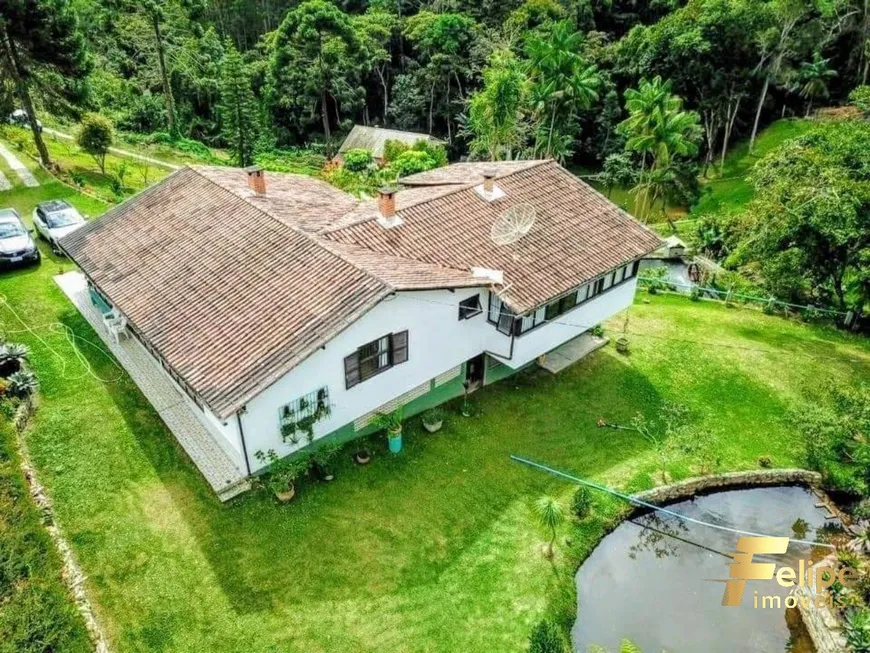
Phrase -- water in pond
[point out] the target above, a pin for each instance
(646, 580)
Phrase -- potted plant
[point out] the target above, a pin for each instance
(433, 419)
(282, 474)
(622, 341)
(321, 459)
(392, 424)
(363, 456)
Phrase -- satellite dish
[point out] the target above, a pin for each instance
(513, 224)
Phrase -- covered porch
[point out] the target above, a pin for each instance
(222, 473)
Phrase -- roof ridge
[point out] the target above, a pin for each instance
(399, 257)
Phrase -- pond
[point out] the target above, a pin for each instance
(650, 580)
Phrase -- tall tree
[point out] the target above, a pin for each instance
(313, 62)
(495, 111)
(237, 108)
(42, 51)
(563, 83)
(156, 16)
(376, 29)
(776, 44)
(658, 129)
(443, 42)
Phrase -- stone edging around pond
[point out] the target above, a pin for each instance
(732, 480)
(72, 574)
(823, 627)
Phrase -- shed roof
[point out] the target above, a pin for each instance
(373, 139)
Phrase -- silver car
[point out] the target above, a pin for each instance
(55, 219)
(16, 245)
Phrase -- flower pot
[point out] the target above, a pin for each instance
(434, 426)
(362, 457)
(622, 345)
(394, 439)
(286, 496)
(323, 473)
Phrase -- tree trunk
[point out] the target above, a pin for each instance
(431, 105)
(324, 113)
(19, 77)
(758, 111)
(729, 125)
(164, 75)
(550, 133)
(380, 72)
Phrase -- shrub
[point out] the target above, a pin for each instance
(22, 383)
(597, 330)
(358, 159)
(95, 137)
(581, 502)
(860, 97)
(412, 162)
(858, 630)
(547, 637)
(695, 293)
(765, 462)
(433, 416)
(655, 280)
(861, 510)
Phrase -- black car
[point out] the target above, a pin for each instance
(16, 246)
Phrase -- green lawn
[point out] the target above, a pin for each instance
(730, 189)
(432, 550)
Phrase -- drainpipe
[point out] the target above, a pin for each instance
(242, 435)
(510, 354)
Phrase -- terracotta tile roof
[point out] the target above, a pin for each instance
(374, 138)
(234, 290)
(470, 172)
(230, 297)
(577, 236)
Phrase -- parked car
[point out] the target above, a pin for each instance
(16, 245)
(20, 119)
(55, 219)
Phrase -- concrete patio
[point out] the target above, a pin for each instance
(571, 352)
(222, 473)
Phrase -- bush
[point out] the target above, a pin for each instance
(858, 630)
(299, 161)
(765, 462)
(95, 137)
(433, 416)
(412, 162)
(860, 97)
(358, 159)
(547, 637)
(861, 510)
(581, 502)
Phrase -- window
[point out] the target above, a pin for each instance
(506, 320)
(375, 357)
(494, 308)
(469, 307)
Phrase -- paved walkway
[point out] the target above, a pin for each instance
(224, 476)
(20, 169)
(572, 351)
(5, 184)
(119, 151)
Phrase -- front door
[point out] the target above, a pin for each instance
(474, 369)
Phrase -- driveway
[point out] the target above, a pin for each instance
(20, 169)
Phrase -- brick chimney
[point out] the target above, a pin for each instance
(387, 202)
(488, 181)
(256, 180)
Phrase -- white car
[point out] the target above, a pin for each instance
(55, 219)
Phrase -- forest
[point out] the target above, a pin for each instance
(647, 94)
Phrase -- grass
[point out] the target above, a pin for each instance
(36, 611)
(731, 190)
(436, 549)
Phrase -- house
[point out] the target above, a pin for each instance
(265, 296)
(373, 139)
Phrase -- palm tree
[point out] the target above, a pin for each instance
(658, 129)
(813, 79)
(564, 83)
(550, 514)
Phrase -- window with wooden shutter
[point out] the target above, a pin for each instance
(400, 347)
(351, 370)
(375, 357)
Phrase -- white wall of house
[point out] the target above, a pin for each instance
(542, 339)
(438, 341)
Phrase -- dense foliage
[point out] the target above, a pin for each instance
(522, 77)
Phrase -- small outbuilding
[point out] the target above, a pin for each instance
(373, 139)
